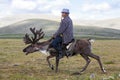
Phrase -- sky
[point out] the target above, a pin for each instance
(79, 9)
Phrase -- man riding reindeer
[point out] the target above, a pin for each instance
(64, 34)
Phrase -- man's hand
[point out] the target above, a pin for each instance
(61, 35)
(53, 37)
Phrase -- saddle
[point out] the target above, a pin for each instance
(69, 49)
(67, 46)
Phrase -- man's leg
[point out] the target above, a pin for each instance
(64, 49)
(57, 44)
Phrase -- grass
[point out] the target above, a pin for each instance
(15, 65)
(77, 36)
(109, 62)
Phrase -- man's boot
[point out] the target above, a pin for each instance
(68, 53)
(61, 54)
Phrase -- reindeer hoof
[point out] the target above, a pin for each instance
(52, 67)
(104, 71)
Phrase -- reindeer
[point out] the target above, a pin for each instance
(82, 47)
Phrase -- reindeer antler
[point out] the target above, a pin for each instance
(34, 33)
(38, 34)
(27, 39)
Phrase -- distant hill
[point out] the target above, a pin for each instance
(108, 23)
(113, 23)
(49, 27)
(8, 20)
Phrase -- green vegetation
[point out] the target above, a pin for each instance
(15, 65)
(49, 27)
(11, 36)
(20, 36)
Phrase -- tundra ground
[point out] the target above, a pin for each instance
(15, 65)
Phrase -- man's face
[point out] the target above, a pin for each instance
(64, 14)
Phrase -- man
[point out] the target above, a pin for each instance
(64, 34)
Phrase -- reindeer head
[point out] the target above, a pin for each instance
(33, 41)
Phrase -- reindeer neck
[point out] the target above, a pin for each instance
(43, 45)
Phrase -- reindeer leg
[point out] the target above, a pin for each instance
(99, 61)
(87, 62)
(84, 68)
(50, 65)
(57, 63)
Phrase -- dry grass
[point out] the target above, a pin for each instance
(14, 65)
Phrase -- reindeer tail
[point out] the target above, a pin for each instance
(91, 40)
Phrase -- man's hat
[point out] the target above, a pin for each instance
(65, 11)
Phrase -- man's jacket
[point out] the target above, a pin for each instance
(66, 29)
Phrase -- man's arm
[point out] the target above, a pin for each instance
(62, 28)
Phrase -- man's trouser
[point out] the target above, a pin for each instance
(57, 44)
